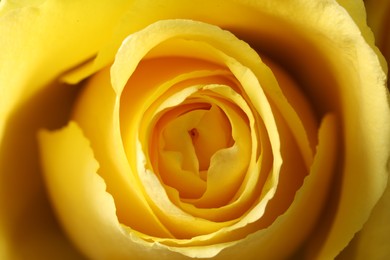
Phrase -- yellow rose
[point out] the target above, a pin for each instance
(191, 129)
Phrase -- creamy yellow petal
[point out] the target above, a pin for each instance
(370, 160)
(130, 108)
(279, 238)
(75, 188)
(182, 224)
(225, 170)
(322, 22)
(244, 75)
(42, 39)
(248, 80)
(372, 241)
(84, 114)
(250, 58)
(291, 178)
(135, 113)
(20, 145)
(138, 45)
(365, 110)
(167, 10)
(249, 182)
(85, 208)
(278, 241)
(95, 114)
(376, 17)
(351, 153)
(249, 19)
(369, 103)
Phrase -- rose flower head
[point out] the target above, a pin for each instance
(192, 130)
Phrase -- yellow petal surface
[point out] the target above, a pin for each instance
(372, 241)
(131, 110)
(121, 178)
(124, 67)
(22, 191)
(102, 128)
(350, 95)
(39, 40)
(355, 90)
(138, 45)
(278, 241)
(40, 33)
(365, 111)
(224, 167)
(279, 238)
(85, 208)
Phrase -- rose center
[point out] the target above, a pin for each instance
(189, 137)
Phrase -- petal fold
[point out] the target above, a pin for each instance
(86, 210)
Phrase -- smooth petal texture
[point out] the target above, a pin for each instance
(138, 45)
(39, 40)
(346, 79)
(21, 179)
(342, 240)
(48, 32)
(136, 42)
(82, 203)
(89, 109)
(279, 239)
(134, 108)
(350, 217)
(372, 241)
(151, 183)
(365, 166)
(102, 128)
(375, 32)
(75, 183)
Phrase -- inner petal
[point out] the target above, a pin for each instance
(189, 141)
(177, 138)
(212, 133)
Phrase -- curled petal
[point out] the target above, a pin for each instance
(85, 208)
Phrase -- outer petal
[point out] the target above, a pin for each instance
(94, 114)
(375, 17)
(21, 187)
(45, 38)
(372, 242)
(39, 40)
